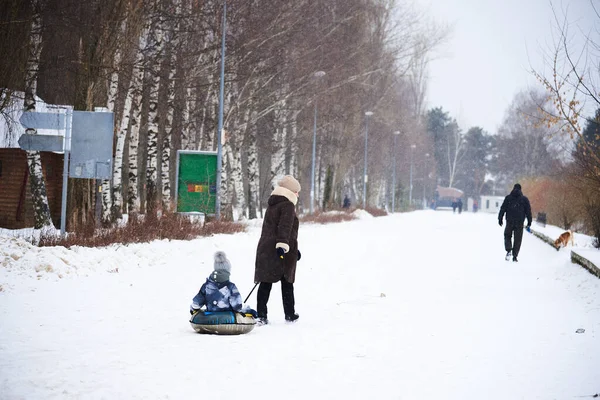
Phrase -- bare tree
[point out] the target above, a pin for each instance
(34, 162)
(136, 88)
(159, 62)
(573, 84)
(157, 36)
(174, 57)
(455, 150)
(523, 142)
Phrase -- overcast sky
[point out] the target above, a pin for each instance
(490, 52)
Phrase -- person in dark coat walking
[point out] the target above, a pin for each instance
(277, 251)
(459, 204)
(516, 207)
(346, 203)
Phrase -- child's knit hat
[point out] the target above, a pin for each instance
(222, 267)
(221, 261)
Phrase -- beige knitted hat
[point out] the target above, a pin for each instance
(290, 183)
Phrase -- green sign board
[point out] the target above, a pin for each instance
(196, 181)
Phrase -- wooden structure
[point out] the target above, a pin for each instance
(491, 204)
(16, 207)
(445, 196)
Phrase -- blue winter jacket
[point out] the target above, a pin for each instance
(218, 296)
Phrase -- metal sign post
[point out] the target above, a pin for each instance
(51, 121)
(92, 144)
(67, 148)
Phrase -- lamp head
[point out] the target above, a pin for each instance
(368, 113)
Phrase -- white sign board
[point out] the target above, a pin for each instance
(42, 120)
(91, 145)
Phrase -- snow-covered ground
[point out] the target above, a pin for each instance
(411, 306)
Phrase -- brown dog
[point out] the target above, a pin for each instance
(564, 239)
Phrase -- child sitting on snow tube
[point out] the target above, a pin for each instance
(223, 313)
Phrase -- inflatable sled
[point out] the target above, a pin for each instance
(222, 322)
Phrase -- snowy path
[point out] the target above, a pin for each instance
(410, 306)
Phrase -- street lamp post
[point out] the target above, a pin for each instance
(424, 180)
(412, 147)
(365, 178)
(220, 124)
(317, 75)
(396, 133)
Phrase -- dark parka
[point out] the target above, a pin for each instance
(279, 226)
(517, 208)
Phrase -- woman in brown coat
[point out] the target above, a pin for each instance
(277, 251)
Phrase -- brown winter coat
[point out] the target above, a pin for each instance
(279, 226)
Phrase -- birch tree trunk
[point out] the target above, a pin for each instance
(137, 80)
(188, 79)
(113, 88)
(224, 190)
(204, 141)
(381, 199)
(321, 168)
(166, 148)
(188, 123)
(134, 83)
(41, 208)
(253, 170)
(153, 117)
(166, 143)
(454, 154)
(207, 140)
(133, 200)
(113, 83)
(236, 176)
(279, 141)
(293, 164)
(354, 186)
(228, 161)
(417, 79)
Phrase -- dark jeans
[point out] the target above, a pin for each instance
(287, 295)
(509, 231)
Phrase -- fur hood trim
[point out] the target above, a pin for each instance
(281, 191)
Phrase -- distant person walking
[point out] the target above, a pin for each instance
(459, 204)
(346, 203)
(516, 207)
(277, 251)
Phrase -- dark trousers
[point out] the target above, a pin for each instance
(509, 231)
(287, 295)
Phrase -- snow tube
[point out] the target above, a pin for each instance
(222, 322)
